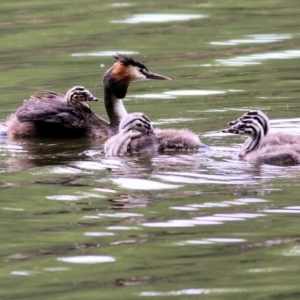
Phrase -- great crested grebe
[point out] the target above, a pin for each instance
(47, 115)
(278, 138)
(256, 150)
(148, 139)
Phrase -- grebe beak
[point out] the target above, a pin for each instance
(152, 75)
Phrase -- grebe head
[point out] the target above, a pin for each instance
(80, 94)
(124, 71)
(128, 67)
(137, 121)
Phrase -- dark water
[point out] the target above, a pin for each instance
(75, 225)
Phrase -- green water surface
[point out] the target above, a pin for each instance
(183, 226)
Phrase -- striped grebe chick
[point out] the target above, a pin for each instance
(256, 150)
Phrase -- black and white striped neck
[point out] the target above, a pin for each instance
(254, 130)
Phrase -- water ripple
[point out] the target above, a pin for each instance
(65, 170)
(97, 233)
(105, 53)
(104, 190)
(194, 92)
(117, 4)
(172, 121)
(86, 259)
(210, 241)
(93, 165)
(57, 269)
(65, 197)
(122, 228)
(20, 273)
(143, 184)
(191, 291)
(226, 203)
(193, 178)
(181, 223)
(82, 195)
(255, 59)
(283, 211)
(121, 215)
(294, 251)
(153, 96)
(158, 18)
(255, 39)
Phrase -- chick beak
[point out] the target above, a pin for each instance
(151, 132)
(92, 98)
(233, 122)
(152, 75)
(230, 130)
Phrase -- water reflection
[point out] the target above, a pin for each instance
(256, 59)
(117, 4)
(123, 228)
(266, 270)
(192, 178)
(213, 219)
(223, 222)
(294, 251)
(143, 184)
(158, 18)
(290, 126)
(13, 208)
(210, 241)
(57, 269)
(172, 121)
(65, 170)
(94, 165)
(98, 233)
(287, 210)
(193, 93)
(64, 198)
(255, 39)
(191, 291)
(105, 53)
(21, 273)
(87, 259)
(153, 96)
(120, 215)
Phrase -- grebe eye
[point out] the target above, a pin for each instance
(139, 125)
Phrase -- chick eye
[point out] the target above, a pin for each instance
(139, 125)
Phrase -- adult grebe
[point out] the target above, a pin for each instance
(48, 115)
